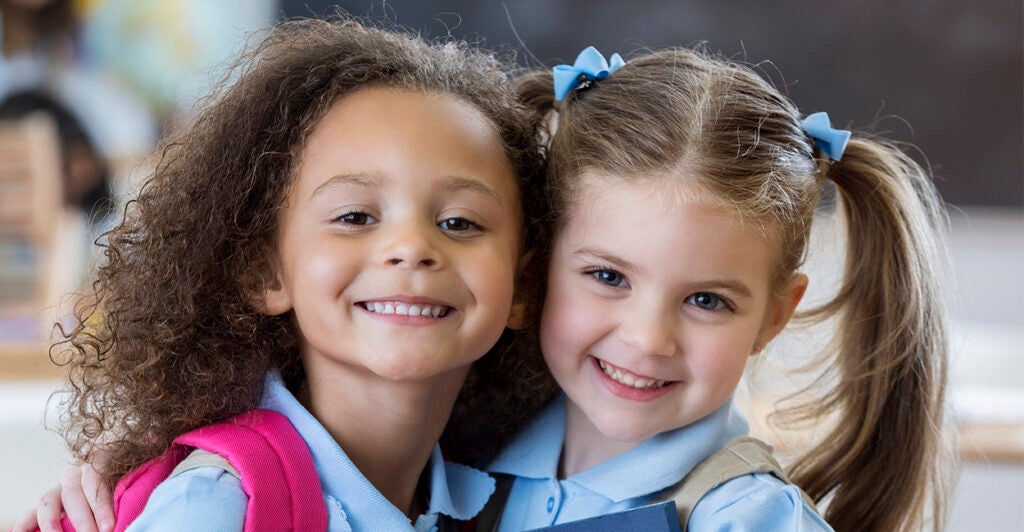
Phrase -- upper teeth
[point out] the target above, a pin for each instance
(405, 309)
(628, 379)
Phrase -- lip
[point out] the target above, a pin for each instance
(409, 300)
(628, 392)
(406, 319)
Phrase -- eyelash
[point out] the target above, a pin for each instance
(724, 304)
(601, 275)
(366, 219)
(342, 218)
(473, 226)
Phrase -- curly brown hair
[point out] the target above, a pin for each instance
(169, 340)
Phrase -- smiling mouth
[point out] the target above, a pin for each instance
(405, 309)
(626, 378)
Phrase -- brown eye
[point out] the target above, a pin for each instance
(356, 218)
(458, 224)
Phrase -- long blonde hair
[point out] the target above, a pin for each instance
(881, 467)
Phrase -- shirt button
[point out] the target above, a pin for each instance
(551, 504)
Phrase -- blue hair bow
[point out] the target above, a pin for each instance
(590, 66)
(831, 141)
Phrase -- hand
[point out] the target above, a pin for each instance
(82, 494)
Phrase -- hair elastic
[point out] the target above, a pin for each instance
(831, 141)
(590, 66)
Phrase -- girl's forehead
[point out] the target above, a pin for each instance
(658, 189)
(660, 199)
(379, 125)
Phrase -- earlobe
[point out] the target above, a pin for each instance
(272, 298)
(517, 314)
(517, 317)
(780, 311)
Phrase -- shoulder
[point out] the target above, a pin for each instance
(755, 502)
(204, 498)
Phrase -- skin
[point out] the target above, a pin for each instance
(672, 298)
(404, 198)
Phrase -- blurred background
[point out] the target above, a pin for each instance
(87, 87)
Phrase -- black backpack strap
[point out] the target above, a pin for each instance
(488, 518)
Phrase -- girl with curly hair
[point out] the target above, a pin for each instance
(338, 238)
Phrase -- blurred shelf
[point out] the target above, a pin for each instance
(27, 361)
(992, 443)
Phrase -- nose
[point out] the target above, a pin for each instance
(649, 329)
(411, 246)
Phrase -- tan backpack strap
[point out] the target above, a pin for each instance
(201, 458)
(740, 456)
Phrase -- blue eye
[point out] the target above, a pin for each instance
(707, 301)
(356, 218)
(458, 224)
(609, 277)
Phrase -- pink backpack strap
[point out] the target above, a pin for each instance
(271, 457)
(275, 467)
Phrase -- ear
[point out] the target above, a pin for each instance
(517, 314)
(780, 311)
(272, 297)
(517, 317)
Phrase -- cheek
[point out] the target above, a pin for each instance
(492, 274)
(722, 358)
(324, 266)
(568, 323)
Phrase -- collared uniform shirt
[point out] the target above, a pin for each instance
(538, 498)
(209, 499)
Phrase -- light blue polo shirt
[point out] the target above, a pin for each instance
(631, 479)
(208, 498)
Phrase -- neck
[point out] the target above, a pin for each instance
(387, 428)
(585, 446)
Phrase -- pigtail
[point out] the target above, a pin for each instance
(536, 91)
(886, 450)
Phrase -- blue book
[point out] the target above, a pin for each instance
(661, 517)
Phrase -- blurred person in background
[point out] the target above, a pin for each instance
(87, 202)
(43, 47)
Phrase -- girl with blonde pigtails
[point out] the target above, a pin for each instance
(684, 188)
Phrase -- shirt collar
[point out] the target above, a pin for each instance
(455, 490)
(657, 463)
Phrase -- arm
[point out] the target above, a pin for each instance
(755, 502)
(199, 499)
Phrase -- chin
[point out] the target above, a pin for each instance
(405, 370)
(625, 432)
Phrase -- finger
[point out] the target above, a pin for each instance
(76, 505)
(100, 497)
(27, 523)
(48, 511)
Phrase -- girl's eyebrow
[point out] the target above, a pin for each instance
(599, 254)
(449, 184)
(457, 184)
(360, 180)
(737, 287)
